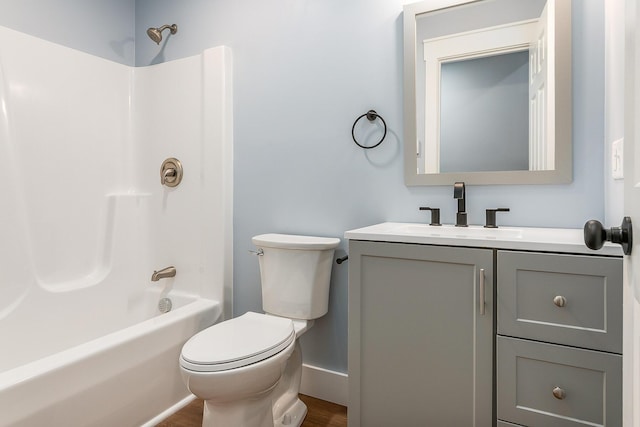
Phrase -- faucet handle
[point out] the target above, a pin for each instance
(435, 214)
(169, 175)
(491, 217)
(171, 172)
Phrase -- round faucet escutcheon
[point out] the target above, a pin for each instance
(171, 172)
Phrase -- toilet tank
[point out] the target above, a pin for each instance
(295, 272)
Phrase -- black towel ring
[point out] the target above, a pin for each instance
(371, 115)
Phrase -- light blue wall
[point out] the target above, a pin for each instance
(303, 71)
(101, 27)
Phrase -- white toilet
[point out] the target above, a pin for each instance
(248, 369)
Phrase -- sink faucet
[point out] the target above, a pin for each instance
(164, 273)
(458, 193)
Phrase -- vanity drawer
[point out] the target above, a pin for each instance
(529, 373)
(565, 299)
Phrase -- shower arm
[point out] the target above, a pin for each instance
(173, 28)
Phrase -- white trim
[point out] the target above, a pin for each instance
(217, 151)
(631, 302)
(169, 411)
(324, 384)
(514, 36)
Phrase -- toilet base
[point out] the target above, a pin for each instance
(263, 394)
(293, 416)
(252, 412)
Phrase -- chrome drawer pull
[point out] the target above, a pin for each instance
(560, 301)
(559, 393)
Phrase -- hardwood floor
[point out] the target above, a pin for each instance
(189, 416)
(321, 414)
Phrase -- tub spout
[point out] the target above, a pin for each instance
(164, 273)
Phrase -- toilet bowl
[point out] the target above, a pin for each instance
(248, 369)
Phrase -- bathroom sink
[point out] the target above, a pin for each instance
(518, 238)
(451, 231)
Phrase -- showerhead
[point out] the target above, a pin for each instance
(155, 34)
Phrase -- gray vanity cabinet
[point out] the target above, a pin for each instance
(421, 335)
(559, 340)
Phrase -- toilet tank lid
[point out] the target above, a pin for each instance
(292, 241)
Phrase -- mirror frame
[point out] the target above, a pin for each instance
(563, 171)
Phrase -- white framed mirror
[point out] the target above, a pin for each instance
(487, 92)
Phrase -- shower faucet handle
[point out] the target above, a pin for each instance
(435, 214)
(168, 176)
(171, 172)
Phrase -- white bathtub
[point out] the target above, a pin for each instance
(126, 378)
(85, 221)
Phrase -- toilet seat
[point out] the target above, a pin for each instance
(237, 342)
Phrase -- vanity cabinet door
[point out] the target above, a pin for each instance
(420, 347)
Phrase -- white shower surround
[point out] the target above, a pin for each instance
(85, 221)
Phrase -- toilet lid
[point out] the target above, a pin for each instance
(291, 241)
(238, 342)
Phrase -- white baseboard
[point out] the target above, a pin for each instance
(324, 384)
(167, 413)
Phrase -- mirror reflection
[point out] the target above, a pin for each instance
(484, 113)
(486, 91)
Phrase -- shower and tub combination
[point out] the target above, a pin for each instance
(88, 338)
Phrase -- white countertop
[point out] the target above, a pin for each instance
(567, 240)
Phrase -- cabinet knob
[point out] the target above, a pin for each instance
(560, 301)
(559, 393)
